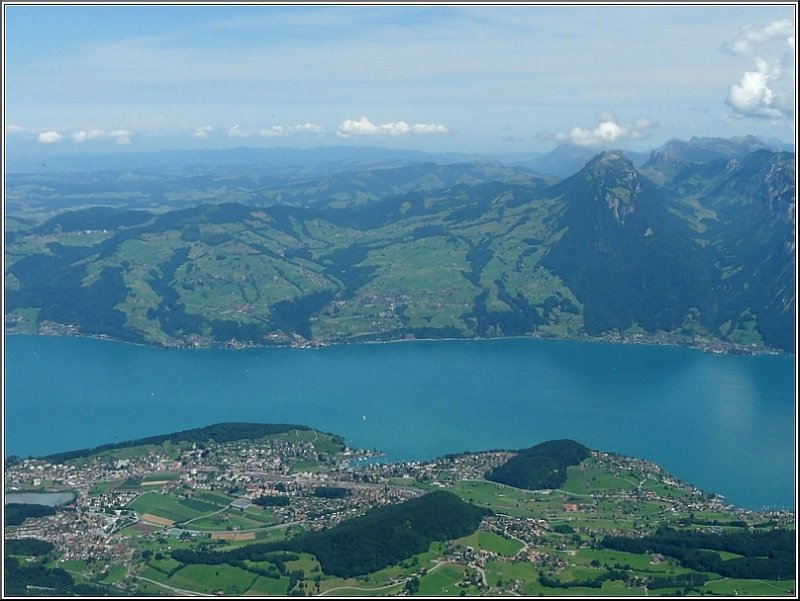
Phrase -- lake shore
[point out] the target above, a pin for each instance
(706, 345)
(424, 400)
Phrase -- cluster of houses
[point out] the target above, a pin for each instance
(293, 467)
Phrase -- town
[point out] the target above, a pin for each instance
(253, 490)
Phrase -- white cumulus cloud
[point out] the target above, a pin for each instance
(606, 133)
(766, 91)
(202, 132)
(84, 135)
(121, 136)
(237, 132)
(364, 127)
(309, 128)
(50, 137)
(14, 129)
(752, 38)
(428, 128)
(753, 96)
(275, 131)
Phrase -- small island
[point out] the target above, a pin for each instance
(281, 509)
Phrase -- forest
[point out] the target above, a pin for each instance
(766, 555)
(219, 433)
(380, 538)
(541, 466)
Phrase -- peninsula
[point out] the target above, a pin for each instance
(261, 509)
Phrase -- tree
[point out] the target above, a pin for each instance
(412, 586)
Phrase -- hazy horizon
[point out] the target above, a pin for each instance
(460, 79)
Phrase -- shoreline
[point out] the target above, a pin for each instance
(354, 428)
(366, 458)
(715, 347)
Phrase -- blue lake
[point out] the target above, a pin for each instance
(723, 423)
(51, 499)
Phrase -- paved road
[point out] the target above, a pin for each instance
(358, 588)
(175, 590)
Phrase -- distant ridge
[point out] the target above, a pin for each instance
(704, 258)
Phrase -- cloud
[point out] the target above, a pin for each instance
(276, 131)
(50, 137)
(14, 129)
(121, 136)
(287, 130)
(237, 132)
(607, 132)
(202, 132)
(767, 90)
(751, 38)
(753, 96)
(364, 127)
(84, 135)
(310, 128)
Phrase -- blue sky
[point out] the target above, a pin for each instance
(517, 78)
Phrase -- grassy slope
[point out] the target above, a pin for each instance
(479, 260)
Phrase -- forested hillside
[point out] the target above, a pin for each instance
(705, 257)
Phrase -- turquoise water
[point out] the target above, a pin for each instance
(723, 423)
(50, 499)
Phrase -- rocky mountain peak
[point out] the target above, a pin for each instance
(614, 181)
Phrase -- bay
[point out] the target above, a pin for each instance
(723, 423)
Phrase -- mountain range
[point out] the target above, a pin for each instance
(693, 244)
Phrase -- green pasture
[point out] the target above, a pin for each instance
(307, 562)
(230, 520)
(153, 574)
(491, 541)
(662, 490)
(73, 565)
(589, 477)
(484, 492)
(25, 319)
(164, 506)
(102, 487)
(159, 476)
(270, 587)
(261, 565)
(307, 465)
(149, 589)
(130, 452)
(508, 500)
(640, 563)
(441, 580)
(215, 498)
(115, 574)
(311, 436)
(212, 578)
(750, 588)
(507, 570)
(165, 565)
(259, 514)
(201, 506)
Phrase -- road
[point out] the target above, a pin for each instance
(174, 589)
(359, 588)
